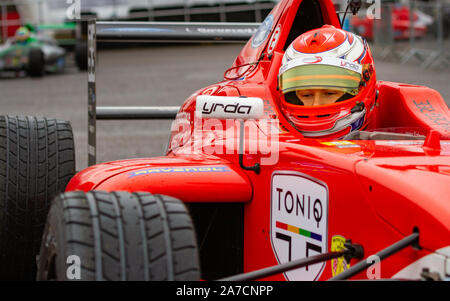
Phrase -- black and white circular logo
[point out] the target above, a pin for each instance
(263, 32)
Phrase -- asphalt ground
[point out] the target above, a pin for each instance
(150, 76)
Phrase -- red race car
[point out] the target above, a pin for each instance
(253, 185)
(401, 24)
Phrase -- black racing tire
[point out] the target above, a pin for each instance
(118, 236)
(37, 160)
(36, 63)
(81, 55)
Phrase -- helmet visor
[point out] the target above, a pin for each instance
(303, 76)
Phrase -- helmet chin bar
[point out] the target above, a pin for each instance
(354, 120)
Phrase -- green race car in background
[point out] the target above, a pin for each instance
(32, 53)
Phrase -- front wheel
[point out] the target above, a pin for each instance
(36, 67)
(37, 160)
(118, 236)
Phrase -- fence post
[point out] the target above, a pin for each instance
(383, 36)
(4, 23)
(430, 51)
(92, 95)
(438, 56)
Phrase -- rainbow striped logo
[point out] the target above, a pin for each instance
(298, 230)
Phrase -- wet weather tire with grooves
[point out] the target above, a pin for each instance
(37, 160)
(118, 236)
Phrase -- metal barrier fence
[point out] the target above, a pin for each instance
(38, 12)
(219, 12)
(421, 37)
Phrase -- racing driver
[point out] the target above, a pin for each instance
(23, 36)
(327, 83)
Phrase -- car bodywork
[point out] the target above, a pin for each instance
(262, 195)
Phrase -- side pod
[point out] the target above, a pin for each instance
(188, 180)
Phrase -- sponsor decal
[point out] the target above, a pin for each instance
(134, 29)
(341, 144)
(299, 221)
(338, 265)
(352, 66)
(178, 169)
(15, 61)
(312, 60)
(224, 30)
(299, 231)
(347, 146)
(432, 115)
(416, 142)
(229, 108)
(223, 107)
(367, 72)
(274, 39)
(263, 32)
(394, 142)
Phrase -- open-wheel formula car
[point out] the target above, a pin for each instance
(37, 55)
(240, 193)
